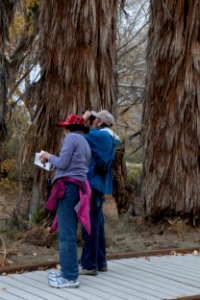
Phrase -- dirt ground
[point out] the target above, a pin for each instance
(123, 235)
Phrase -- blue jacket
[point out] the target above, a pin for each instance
(103, 142)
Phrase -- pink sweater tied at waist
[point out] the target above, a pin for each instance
(58, 192)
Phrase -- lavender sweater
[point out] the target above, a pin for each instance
(74, 157)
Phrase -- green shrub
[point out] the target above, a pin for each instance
(134, 173)
(38, 216)
(135, 158)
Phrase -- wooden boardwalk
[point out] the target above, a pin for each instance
(166, 277)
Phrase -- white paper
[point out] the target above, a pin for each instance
(77, 207)
(46, 166)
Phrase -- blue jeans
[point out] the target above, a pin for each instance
(94, 246)
(67, 229)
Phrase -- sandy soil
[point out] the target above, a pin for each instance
(123, 234)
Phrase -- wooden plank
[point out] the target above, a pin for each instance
(171, 270)
(135, 285)
(9, 296)
(28, 287)
(20, 293)
(127, 279)
(146, 279)
(98, 291)
(176, 288)
(42, 284)
(184, 279)
(145, 273)
(130, 284)
(117, 290)
(41, 277)
(188, 262)
(140, 284)
(163, 272)
(167, 273)
(121, 289)
(179, 260)
(177, 263)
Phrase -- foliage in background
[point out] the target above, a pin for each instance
(131, 72)
(16, 130)
(134, 173)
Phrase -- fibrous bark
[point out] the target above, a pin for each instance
(172, 110)
(77, 58)
(122, 189)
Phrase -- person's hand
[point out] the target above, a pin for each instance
(44, 156)
(86, 115)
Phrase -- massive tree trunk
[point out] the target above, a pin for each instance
(6, 13)
(77, 57)
(171, 184)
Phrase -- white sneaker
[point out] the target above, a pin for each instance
(54, 274)
(63, 283)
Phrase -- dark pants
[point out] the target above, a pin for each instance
(67, 229)
(94, 247)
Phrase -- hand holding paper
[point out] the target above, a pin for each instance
(44, 156)
(41, 160)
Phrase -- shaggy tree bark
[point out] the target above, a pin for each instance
(171, 173)
(122, 190)
(77, 56)
(6, 12)
(7, 8)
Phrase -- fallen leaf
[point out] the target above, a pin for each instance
(195, 252)
(173, 253)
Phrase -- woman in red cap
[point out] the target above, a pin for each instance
(69, 182)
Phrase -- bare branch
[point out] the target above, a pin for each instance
(132, 48)
(133, 37)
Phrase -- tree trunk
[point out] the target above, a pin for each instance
(38, 193)
(77, 56)
(171, 117)
(122, 190)
(6, 12)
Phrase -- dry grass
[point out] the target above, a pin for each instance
(178, 226)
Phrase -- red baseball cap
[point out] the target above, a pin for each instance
(74, 120)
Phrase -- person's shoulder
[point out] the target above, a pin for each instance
(93, 133)
(77, 137)
(110, 132)
(98, 132)
(70, 137)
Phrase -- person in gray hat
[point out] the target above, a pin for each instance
(99, 119)
(103, 143)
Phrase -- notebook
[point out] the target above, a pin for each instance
(46, 166)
